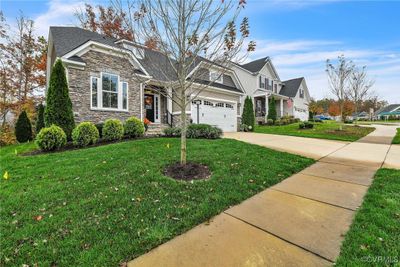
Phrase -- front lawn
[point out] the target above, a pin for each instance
(373, 238)
(324, 130)
(105, 205)
(396, 139)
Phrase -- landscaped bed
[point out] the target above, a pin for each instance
(324, 130)
(373, 239)
(104, 205)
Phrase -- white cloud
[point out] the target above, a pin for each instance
(307, 58)
(59, 13)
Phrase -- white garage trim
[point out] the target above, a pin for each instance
(216, 99)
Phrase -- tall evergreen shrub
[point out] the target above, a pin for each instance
(23, 128)
(272, 110)
(40, 119)
(248, 117)
(58, 109)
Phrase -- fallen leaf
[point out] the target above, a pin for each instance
(38, 218)
(5, 176)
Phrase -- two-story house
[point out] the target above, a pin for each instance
(262, 83)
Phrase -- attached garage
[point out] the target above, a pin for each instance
(222, 114)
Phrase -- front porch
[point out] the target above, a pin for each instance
(155, 106)
(283, 106)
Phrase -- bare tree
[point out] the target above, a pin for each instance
(188, 32)
(338, 77)
(360, 87)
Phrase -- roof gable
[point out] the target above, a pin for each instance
(291, 87)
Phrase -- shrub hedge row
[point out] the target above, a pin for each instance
(195, 131)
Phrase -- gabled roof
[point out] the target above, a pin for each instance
(66, 39)
(388, 108)
(291, 87)
(255, 65)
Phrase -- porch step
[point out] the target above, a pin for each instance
(156, 129)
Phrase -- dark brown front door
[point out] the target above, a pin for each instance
(149, 106)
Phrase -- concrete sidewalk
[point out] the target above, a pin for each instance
(298, 222)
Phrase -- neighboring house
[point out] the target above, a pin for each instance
(360, 116)
(390, 111)
(111, 78)
(261, 82)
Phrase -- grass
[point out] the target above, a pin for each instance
(396, 139)
(373, 238)
(325, 130)
(105, 205)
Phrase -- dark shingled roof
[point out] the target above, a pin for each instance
(158, 66)
(66, 39)
(219, 85)
(256, 65)
(291, 87)
(388, 108)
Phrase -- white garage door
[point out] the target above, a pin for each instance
(216, 113)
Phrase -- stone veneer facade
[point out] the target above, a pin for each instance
(79, 87)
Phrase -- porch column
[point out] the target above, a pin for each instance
(281, 102)
(169, 100)
(266, 107)
(141, 100)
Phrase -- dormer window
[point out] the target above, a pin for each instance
(216, 76)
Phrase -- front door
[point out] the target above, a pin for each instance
(152, 106)
(149, 106)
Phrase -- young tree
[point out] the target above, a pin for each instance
(189, 32)
(315, 108)
(23, 128)
(334, 109)
(272, 110)
(58, 109)
(40, 119)
(338, 77)
(360, 87)
(107, 21)
(248, 117)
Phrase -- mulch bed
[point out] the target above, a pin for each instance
(188, 172)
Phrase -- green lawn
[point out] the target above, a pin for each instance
(374, 237)
(105, 205)
(325, 130)
(396, 139)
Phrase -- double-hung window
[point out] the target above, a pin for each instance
(108, 93)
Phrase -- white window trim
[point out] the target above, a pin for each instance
(100, 94)
(220, 77)
(91, 92)
(263, 77)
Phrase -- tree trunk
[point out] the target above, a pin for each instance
(184, 128)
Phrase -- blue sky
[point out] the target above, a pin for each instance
(298, 35)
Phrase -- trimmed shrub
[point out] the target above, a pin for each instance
(99, 127)
(113, 130)
(195, 131)
(172, 132)
(51, 138)
(278, 122)
(23, 128)
(272, 110)
(248, 117)
(296, 120)
(306, 125)
(85, 134)
(243, 128)
(58, 109)
(134, 127)
(40, 119)
(270, 122)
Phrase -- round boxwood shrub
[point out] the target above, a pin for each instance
(270, 122)
(113, 130)
(51, 138)
(134, 127)
(85, 134)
